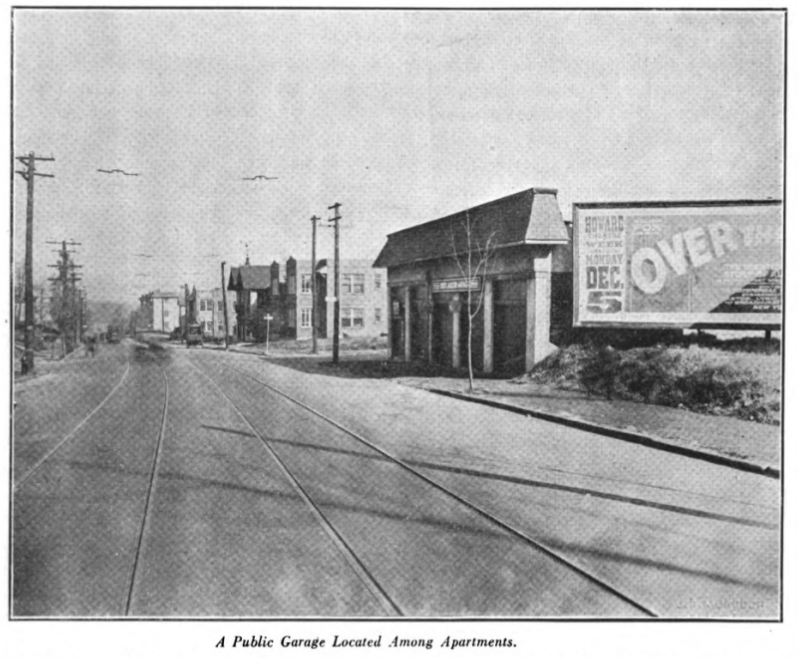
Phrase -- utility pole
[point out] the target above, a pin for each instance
(314, 330)
(30, 323)
(78, 304)
(67, 278)
(224, 304)
(186, 313)
(336, 302)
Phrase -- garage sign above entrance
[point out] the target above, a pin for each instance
(457, 285)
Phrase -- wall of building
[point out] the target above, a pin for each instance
(165, 314)
(363, 300)
(520, 308)
(362, 294)
(210, 312)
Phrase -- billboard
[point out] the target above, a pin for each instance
(686, 264)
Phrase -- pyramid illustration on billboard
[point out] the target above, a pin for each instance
(761, 295)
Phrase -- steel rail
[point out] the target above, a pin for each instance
(535, 543)
(371, 583)
(149, 499)
(61, 443)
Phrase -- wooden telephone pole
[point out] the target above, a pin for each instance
(314, 293)
(337, 302)
(29, 174)
(224, 305)
(67, 315)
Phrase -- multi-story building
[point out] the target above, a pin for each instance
(161, 311)
(252, 285)
(206, 308)
(260, 294)
(362, 298)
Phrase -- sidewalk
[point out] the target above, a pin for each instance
(729, 438)
(753, 446)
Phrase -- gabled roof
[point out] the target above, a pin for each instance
(249, 277)
(233, 278)
(164, 295)
(529, 217)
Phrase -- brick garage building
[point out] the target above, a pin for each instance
(520, 295)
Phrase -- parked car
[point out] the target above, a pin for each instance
(194, 335)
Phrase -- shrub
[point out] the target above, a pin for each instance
(710, 380)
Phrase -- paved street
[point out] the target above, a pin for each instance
(218, 484)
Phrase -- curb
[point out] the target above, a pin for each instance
(616, 433)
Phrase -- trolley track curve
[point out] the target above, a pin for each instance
(536, 544)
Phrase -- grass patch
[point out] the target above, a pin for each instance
(325, 345)
(744, 383)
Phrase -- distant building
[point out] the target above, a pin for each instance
(288, 304)
(362, 294)
(252, 285)
(206, 308)
(160, 310)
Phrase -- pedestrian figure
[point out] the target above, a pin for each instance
(91, 344)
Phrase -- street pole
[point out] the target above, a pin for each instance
(224, 304)
(186, 313)
(314, 330)
(30, 323)
(336, 302)
(67, 279)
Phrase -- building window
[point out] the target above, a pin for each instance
(221, 329)
(351, 317)
(292, 285)
(166, 312)
(353, 283)
(306, 283)
(305, 318)
(378, 315)
(220, 307)
(378, 281)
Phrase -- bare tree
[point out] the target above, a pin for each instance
(473, 254)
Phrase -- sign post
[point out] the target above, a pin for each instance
(268, 319)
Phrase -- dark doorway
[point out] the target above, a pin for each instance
(397, 320)
(442, 334)
(510, 325)
(419, 320)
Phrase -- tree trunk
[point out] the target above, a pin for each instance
(469, 356)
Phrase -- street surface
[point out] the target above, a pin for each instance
(195, 483)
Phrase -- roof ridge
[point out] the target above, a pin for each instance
(534, 190)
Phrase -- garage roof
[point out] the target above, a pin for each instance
(529, 217)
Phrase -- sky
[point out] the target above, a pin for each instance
(401, 116)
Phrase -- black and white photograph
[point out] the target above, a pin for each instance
(322, 319)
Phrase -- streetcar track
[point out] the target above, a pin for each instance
(63, 441)
(372, 585)
(149, 498)
(527, 482)
(536, 544)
